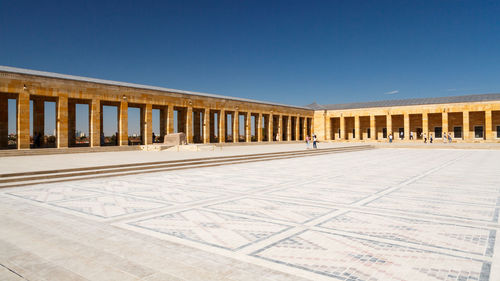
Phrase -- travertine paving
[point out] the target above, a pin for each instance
(384, 214)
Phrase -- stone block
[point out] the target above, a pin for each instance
(175, 139)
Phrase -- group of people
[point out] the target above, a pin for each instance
(314, 140)
(446, 137)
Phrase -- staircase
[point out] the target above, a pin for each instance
(50, 176)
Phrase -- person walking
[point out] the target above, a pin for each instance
(308, 142)
(401, 135)
(445, 138)
(449, 138)
(411, 135)
(315, 141)
(154, 137)
(430, 138)
(390, 138)
(425, 138)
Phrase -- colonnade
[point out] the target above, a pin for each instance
(200, 124)
(478, 123)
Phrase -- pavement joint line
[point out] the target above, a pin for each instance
(13, 271)
(406, 182)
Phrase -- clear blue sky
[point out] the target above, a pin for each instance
(293, 52)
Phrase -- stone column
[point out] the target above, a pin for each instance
(328, 127)
(373, 128)
(123, 124)
(425, 124)
(4, 122)
(95, 123)
(148, 124)
(258, 129)
(222, 126)
(170, 119)
(248, 127)
(356, 128)
(488, 131)
(407, 126)
(465, 124)
(236, 126)
(342, 128)
(289, 128)
(189, 124)
(206, 125)
(388, 125)
(444, 123)
(62, 121)
(23, 121)
(270, 128)
(39, 119)
(304, 127)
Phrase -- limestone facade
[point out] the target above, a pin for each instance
(465, 122)
(206, 118)
(196, 114)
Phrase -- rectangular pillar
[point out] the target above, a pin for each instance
(170, 119)
(206, 125)
(356, 128)
(373, 128)
(222, 126)
(444, 123)
(23, 121)
(123, 124)
(62, 121)
(488, 131)
(248, 127)
(4, 122)
(297, 128)
(148, 124)
(289, 128)
(189, 124)
(258, 129)
(95, 123)
(236, 126)
(328, 127)
(304, 127)
(407, 126)
(466, 126)
(342, 128)
(425, 124)
(388, 125)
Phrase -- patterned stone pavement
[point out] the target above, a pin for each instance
(385, 214)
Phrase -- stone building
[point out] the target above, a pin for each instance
(204, 118)
(209, 118)
(471, 118)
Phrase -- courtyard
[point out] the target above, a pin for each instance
(381, 214)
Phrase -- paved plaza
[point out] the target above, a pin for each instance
(381, 214)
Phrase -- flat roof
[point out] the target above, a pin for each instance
(405, 102)
(132, 85)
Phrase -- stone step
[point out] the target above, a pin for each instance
(49, 151)
(36, 177)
